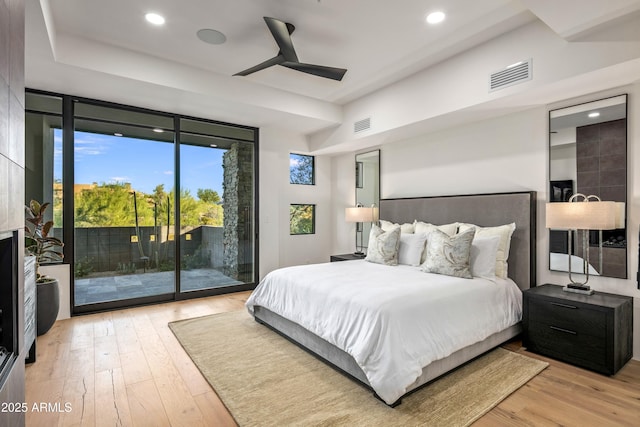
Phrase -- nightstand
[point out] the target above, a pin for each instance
(345, 257)
(591, 331)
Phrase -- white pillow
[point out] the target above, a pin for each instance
(404, 228)
(504, 232)
(483, 256)
(427, 228)
(383, 246)
(411, 248)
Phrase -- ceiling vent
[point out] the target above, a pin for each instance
(513, 74)
(362, 125)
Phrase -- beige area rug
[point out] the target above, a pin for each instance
(264, 380)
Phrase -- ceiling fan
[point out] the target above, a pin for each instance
(287, 57)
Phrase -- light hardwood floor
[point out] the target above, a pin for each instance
(125, 368)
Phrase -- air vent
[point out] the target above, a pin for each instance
(513, 74)
(362, 125)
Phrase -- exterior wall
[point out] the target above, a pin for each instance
(110, 248)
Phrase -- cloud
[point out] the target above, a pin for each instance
(116, 179)
(91, 145)
(168, 172)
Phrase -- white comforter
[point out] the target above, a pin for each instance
(392, 320)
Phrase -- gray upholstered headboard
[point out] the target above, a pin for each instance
(484, 210)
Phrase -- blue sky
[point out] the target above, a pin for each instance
(143, 163)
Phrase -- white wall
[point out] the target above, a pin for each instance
(507, 153)
(277, 247)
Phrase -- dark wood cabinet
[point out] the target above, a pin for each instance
(591, 331)
(345, 257)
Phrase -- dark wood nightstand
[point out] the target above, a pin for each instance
(591, 331)
(345, 257)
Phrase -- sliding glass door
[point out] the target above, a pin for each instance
(216, 206)
(123, 206)
(130, 237)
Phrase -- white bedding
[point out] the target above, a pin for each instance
(392, 320)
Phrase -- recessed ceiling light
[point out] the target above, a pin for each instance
(213, 145)
(158, 130)
(594, 115)
(117, 134)
(210, 36)
(154, 18)
(435, 17)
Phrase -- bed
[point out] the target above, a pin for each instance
(332, 296)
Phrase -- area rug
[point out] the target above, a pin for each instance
(264, 380)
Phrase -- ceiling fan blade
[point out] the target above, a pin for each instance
(317, 70)
(281, 32)
(266, 64)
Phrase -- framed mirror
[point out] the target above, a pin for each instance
(367, 170)
(588, 155)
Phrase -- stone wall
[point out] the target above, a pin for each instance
(238, 211)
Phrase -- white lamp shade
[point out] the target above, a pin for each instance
(361, 214)
(582, 215)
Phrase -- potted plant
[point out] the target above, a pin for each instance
(45, 248)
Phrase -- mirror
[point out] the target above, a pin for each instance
(588, 155)
(367, 186)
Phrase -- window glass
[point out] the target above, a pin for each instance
(302, 219)
(301, 169)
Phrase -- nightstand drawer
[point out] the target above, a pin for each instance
(576, 347)
(565, 315)
(591, 331)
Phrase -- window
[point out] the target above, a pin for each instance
(301, 169)
(302, 219)
(165, 200)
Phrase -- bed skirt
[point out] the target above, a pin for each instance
(345, 363)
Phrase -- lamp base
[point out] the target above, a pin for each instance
(578, 289)
(360, 254)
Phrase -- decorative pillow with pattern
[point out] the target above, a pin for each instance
(383, 246)
(449, 255)
(427, 228)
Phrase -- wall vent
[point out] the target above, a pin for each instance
(362, 125)
(513, 74)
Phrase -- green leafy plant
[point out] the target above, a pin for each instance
(199, 259)
(126, 268)
(83, 268)
(37, 240)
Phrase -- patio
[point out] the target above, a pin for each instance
(122, 287)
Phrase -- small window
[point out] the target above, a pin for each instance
(302, 219)
(301, 169)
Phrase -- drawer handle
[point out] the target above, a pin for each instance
(555, 328)
(564, 305)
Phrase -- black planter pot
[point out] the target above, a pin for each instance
(48, 304)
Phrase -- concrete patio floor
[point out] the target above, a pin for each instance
(122, 287)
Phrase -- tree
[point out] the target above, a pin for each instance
(300, 169)
(301, 219)
(209, 196)
(112, 205)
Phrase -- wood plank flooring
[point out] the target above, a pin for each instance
(125, 368)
